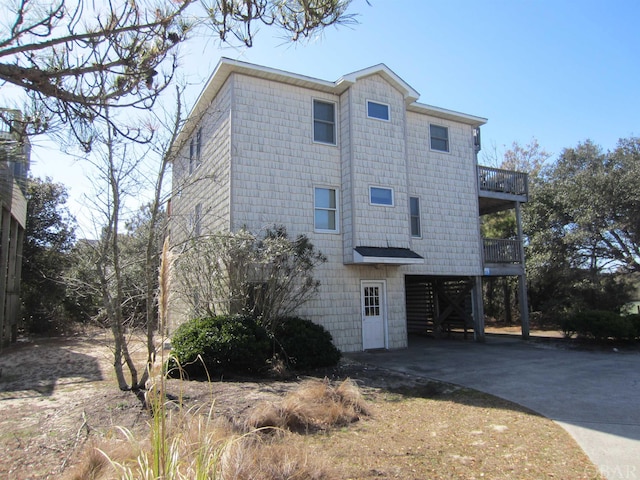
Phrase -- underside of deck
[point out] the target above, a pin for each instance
(439, 306)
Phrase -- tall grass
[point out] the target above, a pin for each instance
(197, 446)
(189, 444)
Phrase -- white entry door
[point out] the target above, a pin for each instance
(373, 315)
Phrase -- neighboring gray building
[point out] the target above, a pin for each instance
(15, 153)
(387, 188)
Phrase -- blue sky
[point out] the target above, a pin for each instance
(559, 71)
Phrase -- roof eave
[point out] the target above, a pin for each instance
(227, 66)
(446, 114)
(359, 259)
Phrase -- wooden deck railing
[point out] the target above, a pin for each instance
(502, 181)
(502, 251)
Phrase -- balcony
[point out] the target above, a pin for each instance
(502, 256)
(503, 251)
(14, 152)
(498, 189)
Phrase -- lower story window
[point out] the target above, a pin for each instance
(325, 209)
(414, 213)
(197, 220)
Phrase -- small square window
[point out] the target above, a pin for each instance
(381, 196)
(325, 209)
(324, 122)
(414, 213)
(439, 138)
(378, 110)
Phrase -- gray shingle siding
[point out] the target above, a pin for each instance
(260, 166)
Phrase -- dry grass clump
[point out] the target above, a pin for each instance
(200, 448)
(191, 445)
(99, 458)
(256, 457)
(315, 405)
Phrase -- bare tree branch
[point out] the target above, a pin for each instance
(75, 58)
(75, 61)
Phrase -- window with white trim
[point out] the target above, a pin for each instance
(324, 122)
(192, 155)
(439, 138)
(198, 147)
(377, 110)
(197, 220)
(381, 196)
(414, 214)
(195, 149)
(325, 209)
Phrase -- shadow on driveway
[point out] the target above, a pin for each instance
(594, 395)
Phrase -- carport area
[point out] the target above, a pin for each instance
(438, 306)
(594, 395)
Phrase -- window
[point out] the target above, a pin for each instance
(195, 147)
(439, 138)
(197, 220)
(192, 156)
(325, 209)
(377, 110)
(414, 213)
(371, 296)
(198, 147)
(324, 122)
(381, 196)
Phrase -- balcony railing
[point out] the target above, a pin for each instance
(502, 251)
(502, 181)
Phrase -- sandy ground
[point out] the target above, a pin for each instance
(57, 395)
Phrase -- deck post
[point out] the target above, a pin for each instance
(478, 310)
(524, 305)
(5, 321)
(522, 279)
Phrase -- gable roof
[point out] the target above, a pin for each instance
(227, 66)
(410, 95)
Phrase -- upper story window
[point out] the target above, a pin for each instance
(325, 209)
(192, 155)
(439, 138)
(414, 214)
(381, 196)
(195, 149)
(198, 147)
(377, 110)
(324, 122)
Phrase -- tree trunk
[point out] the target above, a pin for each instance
(151, 252)
(507, 301)
(115, 327)
(491, 301)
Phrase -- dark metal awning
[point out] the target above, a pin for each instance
(394, 256)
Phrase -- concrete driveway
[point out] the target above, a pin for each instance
(594, 395)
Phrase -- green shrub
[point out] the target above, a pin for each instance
(226, 344)
(304, 345)
(599, 325)
(635, 322)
